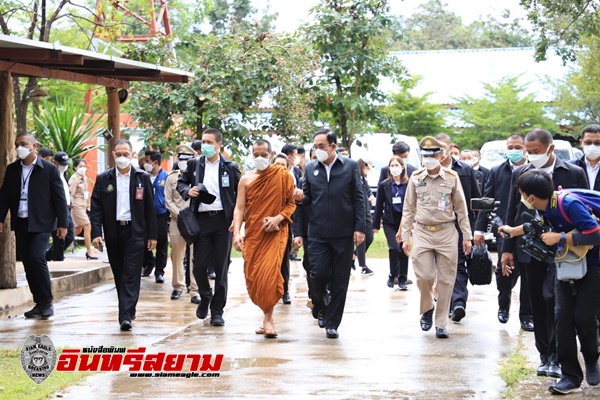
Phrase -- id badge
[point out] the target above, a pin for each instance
(86, 195)
(225, 181)
(396, 200)
(441, 206)
(23, 196)
(139, 193)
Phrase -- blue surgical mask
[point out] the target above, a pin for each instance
(208, 150)
(515, 155)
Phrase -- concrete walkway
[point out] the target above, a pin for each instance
(381, 353)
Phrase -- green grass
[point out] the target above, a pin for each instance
(514, 369)
(15, 384)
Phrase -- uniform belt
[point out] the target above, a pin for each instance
(123, 223)
(211, 212)
(435, 228)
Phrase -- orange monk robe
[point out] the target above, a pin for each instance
(268, 195)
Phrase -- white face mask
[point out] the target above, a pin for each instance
(431, 163)
(592, 152)
(123, 162)
(261, 163)
(62, 168)
(148, 167)
(538, 160)
(81, 170)
(322, 155)
(526, 203)
(297, 161)
(395, 171)
(182, 165)
(468, 162)
(22, 152)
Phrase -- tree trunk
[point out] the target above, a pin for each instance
(199, 123)
(114, 122)
(8, 273)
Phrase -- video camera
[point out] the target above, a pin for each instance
(488, 205)
(531, 242)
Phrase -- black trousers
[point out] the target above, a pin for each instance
(125, 255)
(505, 285)
(159, 262)
(361, 250)
(213, 245)
(330, 265)
(575, 314)
(285, 263)
(398, 260)
(460, 293)
(306, 266)
(31, 250)
(56, 252)
(541, 279)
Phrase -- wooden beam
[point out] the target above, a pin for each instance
(125, 73)
(34, 54)
(75, 60)
(53, 73)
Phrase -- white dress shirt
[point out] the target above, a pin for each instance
(328, 167)
(66, 187)
(591, 173)
(211, 181)
(26, 171)
(123, 200)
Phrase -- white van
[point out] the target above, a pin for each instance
(494, 152)
(377, 148)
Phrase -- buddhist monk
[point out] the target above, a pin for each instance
(266, 202)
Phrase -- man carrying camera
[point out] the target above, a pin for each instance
(540, 276)
(577, 299)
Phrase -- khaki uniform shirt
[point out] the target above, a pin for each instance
(434, 201)
(173, 200)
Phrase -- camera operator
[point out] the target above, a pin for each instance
(577, 300)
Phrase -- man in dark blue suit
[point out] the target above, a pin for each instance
(335, 206)
(34, 194)
(498, 187)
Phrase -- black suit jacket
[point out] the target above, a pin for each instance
(497, 186)
(469, 185)
(383, 206)
(228, 194)
(580, 162)
(103, 214)
(335, 208)
(46, 201)
(565, 175)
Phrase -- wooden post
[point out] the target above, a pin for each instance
(114, 122)
(8, 272)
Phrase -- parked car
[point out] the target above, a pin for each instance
(494, 152)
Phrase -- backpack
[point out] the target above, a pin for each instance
(590, 198)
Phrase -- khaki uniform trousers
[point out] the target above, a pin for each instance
(177, 256)
(434, 255)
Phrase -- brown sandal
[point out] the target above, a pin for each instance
(270, 333)
(260, 331)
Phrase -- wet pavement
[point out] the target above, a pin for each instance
(381, 352)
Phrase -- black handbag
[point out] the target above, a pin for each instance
(186, 220)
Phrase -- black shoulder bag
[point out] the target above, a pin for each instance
(186, 220)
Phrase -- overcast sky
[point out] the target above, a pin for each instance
(292, 13)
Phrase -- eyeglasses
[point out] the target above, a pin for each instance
(588, 143)
(321, 147)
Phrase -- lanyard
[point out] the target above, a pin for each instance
(24, 180)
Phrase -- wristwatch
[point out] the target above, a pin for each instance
(563, 239)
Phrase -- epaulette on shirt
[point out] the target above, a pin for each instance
(419, 170)
(450, 171)
(175, 171)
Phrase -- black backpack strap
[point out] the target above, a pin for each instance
(193, 204)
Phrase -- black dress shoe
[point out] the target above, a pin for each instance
(503, 316)
(212, 276)
(286, 298)
(527, 325)
(147, 270)
(564, 386)
(47, 311)
(458, 313)
(332, 333)
(160, 279)
(321, 321)
(217, 320)
(441, 333)
(176, 294)
(592, 373)
(427, 320)
(202, 310)
(195, 299)
(554, 370)
(126, 325)
(35, 312)
(294, 257)
(542, 370)
(390, 281)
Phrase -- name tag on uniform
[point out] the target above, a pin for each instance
(396, 200)
(441, 206)
(139, 193)
(225, 181)
(420, 184)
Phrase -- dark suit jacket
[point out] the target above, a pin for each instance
(103, 214)
(580, 162)
(497, 186)
(469, 185)
(335, 208)
(46, 201)
(383, 206)
(565, 175)
(228, 194)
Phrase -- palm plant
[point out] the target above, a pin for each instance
(66, 126)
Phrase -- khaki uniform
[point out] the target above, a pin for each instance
(174, 202)
(433, 205)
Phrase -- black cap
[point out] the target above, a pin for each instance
(45, 152)
(205, 196)
(62, 158)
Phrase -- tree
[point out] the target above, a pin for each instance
(562, 24)
(349, 36)
(412, 115)
(504, 109)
